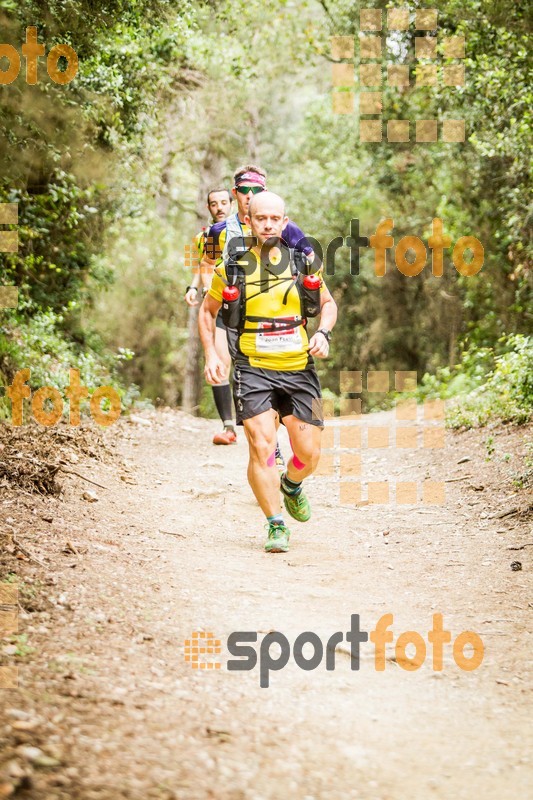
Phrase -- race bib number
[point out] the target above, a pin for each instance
(270, 340)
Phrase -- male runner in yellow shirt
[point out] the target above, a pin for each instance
(219, 206)
(273, 364)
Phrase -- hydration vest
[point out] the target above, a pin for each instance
(300, 266)
(235, 243)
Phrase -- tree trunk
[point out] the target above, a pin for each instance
(162, 200)
(210, 176)
(192, 382)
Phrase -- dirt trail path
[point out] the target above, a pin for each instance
(174, 545)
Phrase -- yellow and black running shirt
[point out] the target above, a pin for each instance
(199, 241)
(267, 296)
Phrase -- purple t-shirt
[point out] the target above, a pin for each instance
(292, 236)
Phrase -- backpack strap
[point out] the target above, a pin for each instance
(235, 241)
(232, 272)
(235, 275)
(294, 273)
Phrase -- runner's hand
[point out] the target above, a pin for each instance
(191, 297)
(319, 346)
(215, 370)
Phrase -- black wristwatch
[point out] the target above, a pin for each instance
(326, 333)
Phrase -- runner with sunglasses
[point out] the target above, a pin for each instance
(231, 237)
(249, 180)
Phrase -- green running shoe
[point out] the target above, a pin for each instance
(296, 504)
(278, 538)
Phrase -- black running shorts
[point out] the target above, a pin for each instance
(256, 390)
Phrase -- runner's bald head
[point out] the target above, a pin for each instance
(266, 217)
(264, 200)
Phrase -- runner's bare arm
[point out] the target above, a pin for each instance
(192, 292)
(207, 266)
(319, 345)
(215, 369)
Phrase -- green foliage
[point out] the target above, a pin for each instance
(524, 479)
(486, 386)
(105, 171)
(39, 345)
(480, 188)
(21, 641)
(62, 152)
(57, 230)
(145, 256)
(471, 372)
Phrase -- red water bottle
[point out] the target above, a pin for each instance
(311, 295)
(231, 306)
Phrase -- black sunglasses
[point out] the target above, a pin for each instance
(248, 189)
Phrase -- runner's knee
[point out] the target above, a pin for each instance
(307, 454)
(261, 445)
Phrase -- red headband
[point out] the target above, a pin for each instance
(251, 176)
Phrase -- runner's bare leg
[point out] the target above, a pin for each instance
(262, 473)
(305, 440)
